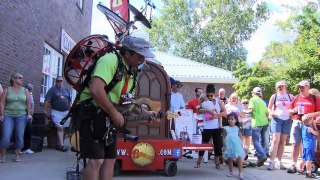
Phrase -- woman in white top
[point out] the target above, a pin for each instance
(280, 122)
(212, 127)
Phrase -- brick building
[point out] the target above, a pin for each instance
(194, 74)
(36, 37)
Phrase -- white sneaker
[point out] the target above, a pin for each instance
(271, 166)
(28, 151)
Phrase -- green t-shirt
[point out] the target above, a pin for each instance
(16, 102)
(105, 69)
(259, 117)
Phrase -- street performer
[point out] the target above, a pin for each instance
(101, 156)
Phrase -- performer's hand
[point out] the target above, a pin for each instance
(153, 116)
(117, 119)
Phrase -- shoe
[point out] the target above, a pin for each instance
(300, 172)
(282, 167)
(261, 161)
(268, 155)
(271, 166)
(16, 159)
(310, 175)
(240, 176)
(2, 159)
(230, 174)
(197, 165)
(62, 148)
(28, 151)
(292, 169)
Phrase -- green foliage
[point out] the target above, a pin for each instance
(291, 61)
(208, 31)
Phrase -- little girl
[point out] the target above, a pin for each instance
(232, 144)
(309, 130)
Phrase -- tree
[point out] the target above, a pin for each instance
(291, 61)
(208, 31)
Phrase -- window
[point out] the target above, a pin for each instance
(80, 4)
(51, 69)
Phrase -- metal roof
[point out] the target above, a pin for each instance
(186, 70)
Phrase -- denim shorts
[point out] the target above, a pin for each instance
(296, 133)
(246, 132)
(281, 126)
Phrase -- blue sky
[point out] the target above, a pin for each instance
(266, 33)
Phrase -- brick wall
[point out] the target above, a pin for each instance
(25, 26)
(188, 89)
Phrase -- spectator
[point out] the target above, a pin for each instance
(193, 103)
(246, 125)
(59, 98)
(14, 112)
(177, 101)
(222, 96)
(1, 90)
(309, 131)
(234, 105)
(280, 122)
(303, 106)
(27, 133)
(259, 112)
(212, 128)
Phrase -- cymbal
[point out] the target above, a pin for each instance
(139, 16)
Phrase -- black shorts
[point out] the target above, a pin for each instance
(216, 136)
(93, 149)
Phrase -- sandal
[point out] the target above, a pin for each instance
(197, 165)
(218, 166)
(62, 148)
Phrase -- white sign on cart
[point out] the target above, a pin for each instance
(184, 125)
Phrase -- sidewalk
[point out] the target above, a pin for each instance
(51, 164)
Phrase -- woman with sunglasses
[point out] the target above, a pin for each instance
(212, 127)
(14, 113)
(280, 122)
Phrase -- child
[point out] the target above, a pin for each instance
(205, 103)
(232, 144)
(309, 130)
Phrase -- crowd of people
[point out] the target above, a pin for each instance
(232, 125)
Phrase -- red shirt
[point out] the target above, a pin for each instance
(192, 104)
(309, 105)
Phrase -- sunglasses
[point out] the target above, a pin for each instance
(210, 96)
(59, 80)
(18, 77)
(245, 103)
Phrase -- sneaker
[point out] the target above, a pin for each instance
(28, 151)
(267, 154)
(310, 175)
(261, 161)
(271, 166)
(292, 169)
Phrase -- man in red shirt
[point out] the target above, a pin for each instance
(304, 104)
(193, 103)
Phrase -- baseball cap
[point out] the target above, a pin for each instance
(257, 90)
(138, 45)
(281, 83)
(304, 83)
(177, 83)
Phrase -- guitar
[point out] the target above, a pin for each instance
(110, 131)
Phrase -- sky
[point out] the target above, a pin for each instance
(266, 33)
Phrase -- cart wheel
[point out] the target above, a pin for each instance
(170, 168)
(314, 167)
(117, 168)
